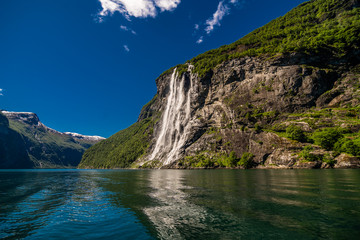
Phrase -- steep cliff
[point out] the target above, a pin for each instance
(27, 143)
(271, 99)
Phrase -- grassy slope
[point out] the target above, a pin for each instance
(121, 149)
(327, 27)
(50, 149)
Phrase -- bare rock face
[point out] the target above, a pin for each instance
(342, 94)
(224, 100)
(346, 161)
(281, 158)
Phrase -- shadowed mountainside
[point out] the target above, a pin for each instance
(27, 143)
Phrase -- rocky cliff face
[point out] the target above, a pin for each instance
(221, 108)
(285, 95)
(25, 142)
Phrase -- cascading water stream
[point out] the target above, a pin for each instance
(176, 121)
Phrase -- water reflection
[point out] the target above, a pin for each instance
(31, 200)
(177, 204)
(58, 205)
(173, 214)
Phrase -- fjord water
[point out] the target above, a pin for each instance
(179, 204)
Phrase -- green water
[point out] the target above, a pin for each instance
(180, 204)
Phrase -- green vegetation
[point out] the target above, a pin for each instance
(321, 26)
(348, 145)
(246, 160)
(307, 155)
(29, 144)
(295, 133)
(229, 161)
(328, 159)
(257, 127)
(210, 160)
(333, 129)
(151, 164)
(121, 149)
(38, 137)
(48, 149)
(327, 137)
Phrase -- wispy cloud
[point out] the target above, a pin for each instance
(221, 11)
(238, 2)
(200, 40)
(224, 7)
(1, 92)
(126, 48)
(136, 8)
(127, 29)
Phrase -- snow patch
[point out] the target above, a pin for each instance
(32, 119)
(84, 137)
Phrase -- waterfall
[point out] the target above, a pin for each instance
(175, 122)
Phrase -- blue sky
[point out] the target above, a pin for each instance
(88, 66)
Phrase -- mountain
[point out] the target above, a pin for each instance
(13, 152)
(286, 95)
(25, 142)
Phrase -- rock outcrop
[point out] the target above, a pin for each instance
(229, 99)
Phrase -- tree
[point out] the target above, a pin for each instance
(246, 160)
(326, 138)
(295, 133)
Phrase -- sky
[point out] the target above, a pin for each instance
(88, 66)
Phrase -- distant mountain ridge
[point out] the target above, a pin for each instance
(32, 118)
(41, 146)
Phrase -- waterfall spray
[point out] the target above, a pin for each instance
(175, 122)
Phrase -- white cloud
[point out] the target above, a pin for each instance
(167, 5)
(238, 3)
(127, 29)
(222, 10)
(126, 48)
(108, 8)
(136, 8)
(1, 92)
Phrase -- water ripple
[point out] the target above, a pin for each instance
(173, 204)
